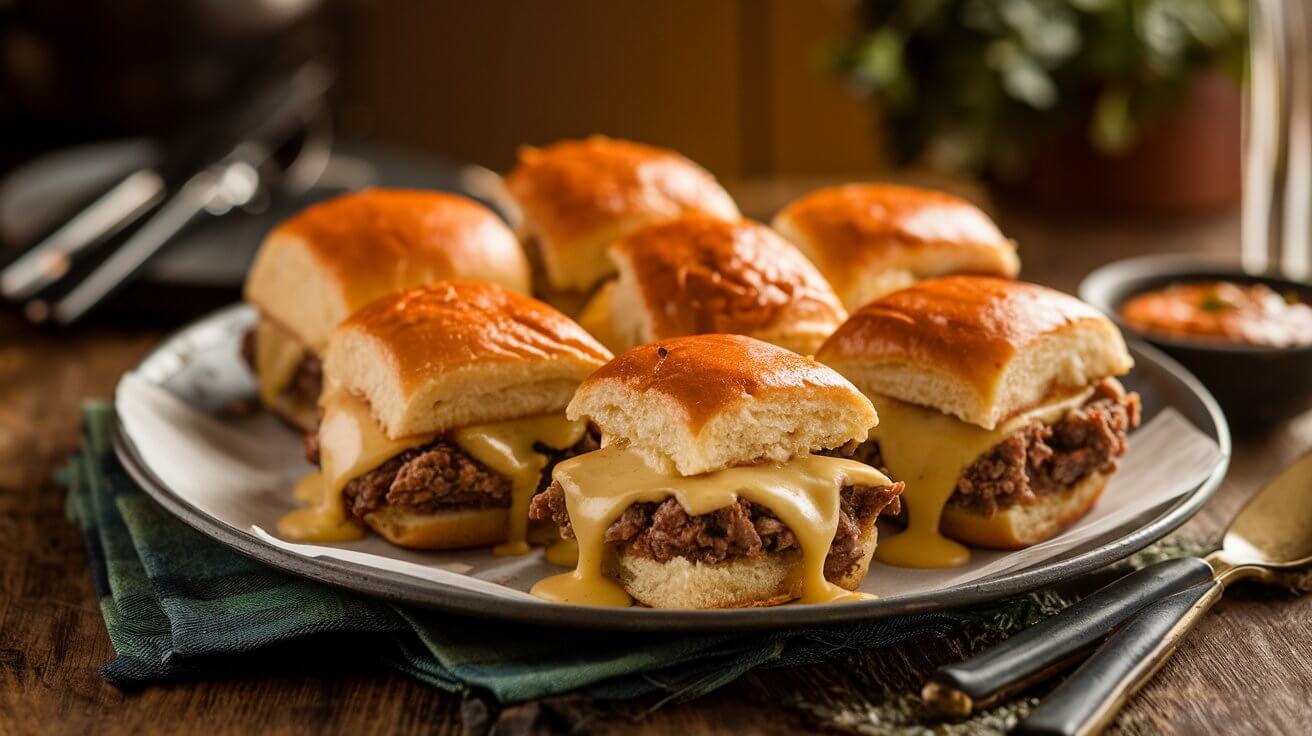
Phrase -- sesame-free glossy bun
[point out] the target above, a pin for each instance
(708, 402)
(578, 196)
(979, 348)
(870, 239)
(454, 354)
(698, 275)
(332, 258)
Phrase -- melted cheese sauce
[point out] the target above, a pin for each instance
(564, 553)
(928, 450)
(803, 493)
(596, 319)
(352, 443)
(277, 355)
(507, 448)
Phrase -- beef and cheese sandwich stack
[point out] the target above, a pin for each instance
(577, 197)
(443, 406)
(321, 265)
(696, 275)
(1001, 410)
(870, 239)
(707, 492)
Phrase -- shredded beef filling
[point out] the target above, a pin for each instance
(307, 381)
(862, 452)
(1039, 459)
(1045, 459)
(663, 531)
(439, 476)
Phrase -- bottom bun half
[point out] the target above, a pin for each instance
(442, 530)
(745, 582)
(1023, 525)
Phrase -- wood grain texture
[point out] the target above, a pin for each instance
(1244, 670)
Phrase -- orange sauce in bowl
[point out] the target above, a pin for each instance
(1222, 311)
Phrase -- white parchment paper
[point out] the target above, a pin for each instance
(240, 471)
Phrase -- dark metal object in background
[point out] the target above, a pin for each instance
(216, 165)
(205, 267)
(277, 113)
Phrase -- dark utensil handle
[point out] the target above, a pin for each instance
(1047, 647)
(1088, 701)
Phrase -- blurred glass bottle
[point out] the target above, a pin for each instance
(1277, 210)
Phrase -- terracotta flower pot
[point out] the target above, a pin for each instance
(1186, 162)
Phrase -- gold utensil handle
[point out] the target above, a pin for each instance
(1088, 701)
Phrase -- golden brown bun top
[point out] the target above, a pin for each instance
(857, 231)
(702, 275)
(978, 347)
(455, 324)
(973, 322)
(570, 188)
(332, 258)
(452, 354)
(853, 217)
(702, 375)
(373, 237)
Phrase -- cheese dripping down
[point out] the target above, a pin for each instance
(562, 553)
(928, 450)
(277, 355)
(803, 493)
(508, 449)
(352, 443)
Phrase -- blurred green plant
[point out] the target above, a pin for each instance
(978, 85)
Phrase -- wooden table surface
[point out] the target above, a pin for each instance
(1246, 668)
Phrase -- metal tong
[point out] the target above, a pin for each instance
(212, 168)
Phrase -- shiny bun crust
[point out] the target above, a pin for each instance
(454, 354)
(577, 197)
(321, 265)
(981, 349)
(698, 275)
(746, 582)
(698, 404)
(871, 239)
(1024, 524)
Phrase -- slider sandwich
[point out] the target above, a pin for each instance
(1001, 410)
(708, 492)
(870, 239)
(319, 266)
(442, 414)
(576, 197)
(697, 275)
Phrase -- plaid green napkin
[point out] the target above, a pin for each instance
(177, 604)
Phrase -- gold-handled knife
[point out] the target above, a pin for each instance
(1270, 540)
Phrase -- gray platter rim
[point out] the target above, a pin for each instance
(403, 589)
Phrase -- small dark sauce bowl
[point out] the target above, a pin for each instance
(1257, 386)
